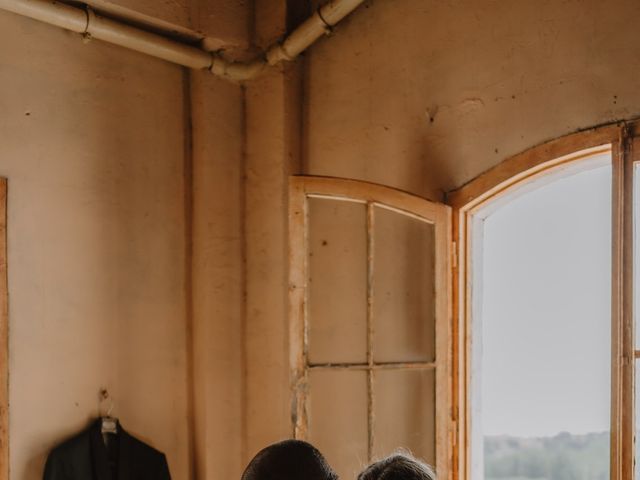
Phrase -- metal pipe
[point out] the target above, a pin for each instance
(317, 25)
(95, 26)
(110, 31)
(320, 23)
(53, 13)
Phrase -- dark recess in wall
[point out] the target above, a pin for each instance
(297, 12)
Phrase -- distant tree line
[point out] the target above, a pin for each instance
(562, 457)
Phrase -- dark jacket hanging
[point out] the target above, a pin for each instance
(87, 457)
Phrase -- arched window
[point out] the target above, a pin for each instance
(384, 320)
(585, 166)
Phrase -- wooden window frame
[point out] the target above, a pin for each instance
(4, 337)
(371, 195)
(489, 187)
(453, 406)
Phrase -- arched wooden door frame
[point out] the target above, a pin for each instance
(489, 187)
(372, 196)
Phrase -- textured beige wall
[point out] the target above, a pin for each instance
(218, 276)
(417, 95)
(421, 96)
(426, 95)
(113, 159)
(93, 149)
(218, 121)
(272, 123)
(268, 165)
(173, 11)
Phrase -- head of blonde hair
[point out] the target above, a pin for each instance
(398, 466)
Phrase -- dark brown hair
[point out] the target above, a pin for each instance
(289, 460)
(399, 466)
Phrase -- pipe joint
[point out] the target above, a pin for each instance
(277, 53)
(328, 28)
(218, 65)
(236, 71)
(91, 15)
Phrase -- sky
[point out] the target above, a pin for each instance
(543, 363)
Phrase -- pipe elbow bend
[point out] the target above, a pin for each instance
(236, 71)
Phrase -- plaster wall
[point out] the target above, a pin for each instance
(93, 146)
(218, 250)
(218, 277)
(272, 154)
(424, 96)
(125, 239)
(421, 96)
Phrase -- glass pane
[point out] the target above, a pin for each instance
(404, 410)
(338, 418)
(337, 281)
(542, 333)
(404, 294)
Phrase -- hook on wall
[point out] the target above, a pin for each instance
(104, 396)
(109, 423)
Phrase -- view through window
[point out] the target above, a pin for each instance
(541, 343)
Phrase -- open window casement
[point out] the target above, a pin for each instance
(370, 318)
(381, 294)
(577, 154)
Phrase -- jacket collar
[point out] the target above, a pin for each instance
(99, 453)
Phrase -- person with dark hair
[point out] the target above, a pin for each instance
(289, 460)
(399, 466)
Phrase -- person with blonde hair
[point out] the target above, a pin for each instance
(398, 466)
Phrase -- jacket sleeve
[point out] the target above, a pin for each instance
(53, 469)
(163, 469)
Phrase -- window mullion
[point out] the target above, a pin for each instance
(622, 338)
